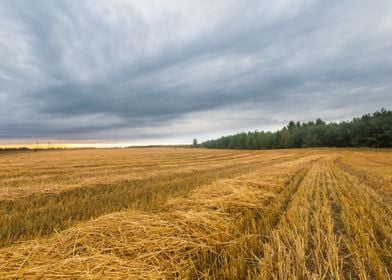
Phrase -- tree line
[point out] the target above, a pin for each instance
(370, 130)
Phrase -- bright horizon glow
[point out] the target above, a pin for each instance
(83, 145)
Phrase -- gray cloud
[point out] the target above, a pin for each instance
(133, 70)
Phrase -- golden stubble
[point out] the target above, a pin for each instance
(287, 214)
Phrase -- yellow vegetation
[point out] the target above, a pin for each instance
(197, 214)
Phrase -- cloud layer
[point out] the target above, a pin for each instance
(151, 71)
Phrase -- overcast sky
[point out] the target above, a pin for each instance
(167, 71)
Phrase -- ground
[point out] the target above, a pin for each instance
(196, 213)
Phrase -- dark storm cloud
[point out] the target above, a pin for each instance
(124, 70)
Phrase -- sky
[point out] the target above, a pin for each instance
(167, 71)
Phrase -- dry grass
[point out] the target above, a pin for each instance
(302, 214)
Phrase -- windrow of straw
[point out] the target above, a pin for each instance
(128, 244)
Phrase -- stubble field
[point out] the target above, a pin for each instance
(165, 213)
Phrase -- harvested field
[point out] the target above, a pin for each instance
(196, 214)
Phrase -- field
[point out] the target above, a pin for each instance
(165, 213)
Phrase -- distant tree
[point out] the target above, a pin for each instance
(291, 126)
(320, 122)
(194, 142)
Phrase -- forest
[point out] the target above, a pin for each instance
(370, 130)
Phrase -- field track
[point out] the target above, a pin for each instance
(196, 214)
